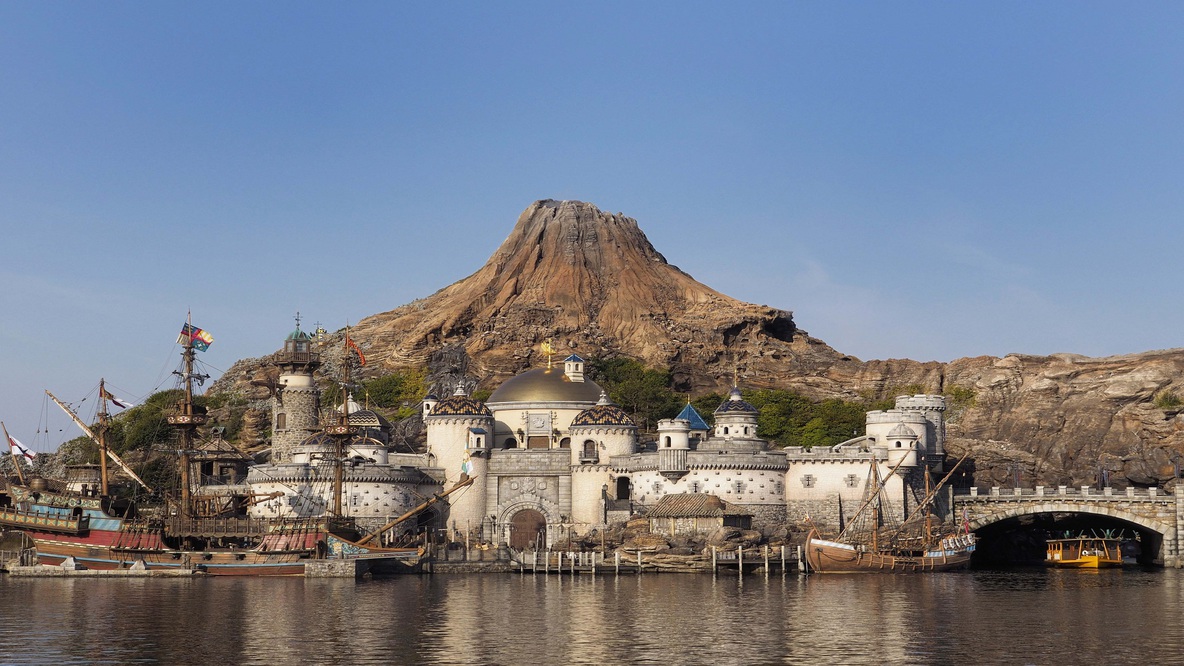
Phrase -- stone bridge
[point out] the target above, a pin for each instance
(1150, 510)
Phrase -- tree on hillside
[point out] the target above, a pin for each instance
(643, 392)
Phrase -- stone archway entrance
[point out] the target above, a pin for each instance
(528, 530)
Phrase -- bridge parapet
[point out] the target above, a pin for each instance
(997, 494)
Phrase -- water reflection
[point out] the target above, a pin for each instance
(1034, 616)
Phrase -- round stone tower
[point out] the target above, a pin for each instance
(932, 408)
(458, 430)
(674, 440)
(735, 426)
(597, 434)
(296, 401)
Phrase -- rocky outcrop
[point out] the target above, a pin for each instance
(1070, 420)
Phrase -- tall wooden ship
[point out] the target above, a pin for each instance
(210, 533)
(869, 544)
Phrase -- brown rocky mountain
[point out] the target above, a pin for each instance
(591, 282)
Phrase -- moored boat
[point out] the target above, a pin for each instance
(868, 546)
(1084, 553)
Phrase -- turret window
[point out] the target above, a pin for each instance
(667, 441)
(281, 421)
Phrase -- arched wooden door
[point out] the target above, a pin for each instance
(528, 530)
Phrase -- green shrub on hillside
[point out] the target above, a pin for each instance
(1167, 399)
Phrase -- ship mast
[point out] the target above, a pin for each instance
(187, 421)
(928, 513)
(104, 425)
(15, 461)
(90, 433)
(341, 432)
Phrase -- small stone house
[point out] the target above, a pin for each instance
(687, 513)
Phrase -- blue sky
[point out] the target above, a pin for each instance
(912, 180)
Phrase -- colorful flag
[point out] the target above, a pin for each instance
(201, 340)
(17, 447)
(354, 346)
(106, 395)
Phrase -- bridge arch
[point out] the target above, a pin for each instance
(1158, 522)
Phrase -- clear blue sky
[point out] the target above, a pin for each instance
(912, 180)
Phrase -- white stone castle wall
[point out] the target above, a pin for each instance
(610, 441)
(587, 491)
(827, 492)
(761, 492)
(508, 420)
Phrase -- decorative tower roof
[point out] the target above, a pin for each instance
(298, 356)
(691, 416)
(459, 404)
(902, 431)
(735, 404)
(604, 413)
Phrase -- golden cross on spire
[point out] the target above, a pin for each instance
(547, 349)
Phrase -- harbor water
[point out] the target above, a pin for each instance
(1032, 616)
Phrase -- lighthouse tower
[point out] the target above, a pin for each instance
(297, 400)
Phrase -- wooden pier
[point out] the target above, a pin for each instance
(765, 560)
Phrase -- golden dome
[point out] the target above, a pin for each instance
(545, 385)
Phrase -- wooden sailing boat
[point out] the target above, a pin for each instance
(99, 532)
(864, 547)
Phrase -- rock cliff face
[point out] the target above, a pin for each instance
(594, 284)
(1071, 420)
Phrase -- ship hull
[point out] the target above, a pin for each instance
(824, 556)
(97, 541)
(52, 550)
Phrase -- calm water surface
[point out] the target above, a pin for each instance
(1011, 617)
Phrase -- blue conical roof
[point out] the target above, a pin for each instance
(688, 413)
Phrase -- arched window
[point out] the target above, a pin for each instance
(565, 443)
(725, 430)
(281, 421)
(511, 443)
(589, 448)
(667, 441)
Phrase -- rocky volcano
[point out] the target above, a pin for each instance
(592, 283)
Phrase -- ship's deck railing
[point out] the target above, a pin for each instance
(216, 527)
(50, 521)
(998, 494)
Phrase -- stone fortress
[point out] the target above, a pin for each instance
(552, 457)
